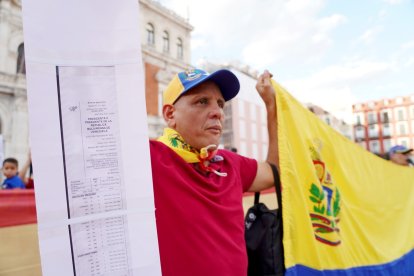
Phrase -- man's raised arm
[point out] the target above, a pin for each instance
(264, 178)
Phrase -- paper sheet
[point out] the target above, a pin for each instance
(89, 138)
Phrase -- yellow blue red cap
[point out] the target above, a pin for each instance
(182, 82)
(400, 149)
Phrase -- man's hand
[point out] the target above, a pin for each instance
(265, 89)
(264, 177)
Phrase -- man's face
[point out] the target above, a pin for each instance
(9, 169)
(198, 115)
(400, 158)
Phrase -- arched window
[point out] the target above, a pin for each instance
(150, 34)
(166, 39)
(21, 63)
(180, 53)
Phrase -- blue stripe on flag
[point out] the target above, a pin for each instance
(402, 266)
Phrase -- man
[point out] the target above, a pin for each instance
(400, 155)
(198, 189)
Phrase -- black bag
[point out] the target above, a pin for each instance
(263, 234)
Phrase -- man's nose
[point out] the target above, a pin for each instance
(217, 112)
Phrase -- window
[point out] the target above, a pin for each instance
(412, 111)
(263, 116)
(242, 129)
(386, 144)
(180, 50)
(373, 131)
(403, 131)
(400, 113)
(359, 118)
(243, 148)
(241, 109)
(255, 151)
(385, 117)
(21, 62)
(374, 146)
(254, 131)
(328, 120)
(265, 134)
(403, 141)
(372, 118)
(359, 132)
(166, 42)
(386, 130)
(258, 115)
(150, 34)
(402, 128)
(265, 148)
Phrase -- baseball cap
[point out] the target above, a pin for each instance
(399, 149)
(182, 82)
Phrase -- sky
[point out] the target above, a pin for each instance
(333, 53)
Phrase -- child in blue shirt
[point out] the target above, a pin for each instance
(10, 171)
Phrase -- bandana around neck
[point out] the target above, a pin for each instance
(175, 141)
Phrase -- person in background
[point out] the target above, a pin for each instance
(400, 155)
(10, 169)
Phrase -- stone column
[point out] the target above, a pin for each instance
(19, 143)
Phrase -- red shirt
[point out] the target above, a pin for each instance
(200, 218)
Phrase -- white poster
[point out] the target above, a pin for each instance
(89, 138)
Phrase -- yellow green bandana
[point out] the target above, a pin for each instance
(175, 141)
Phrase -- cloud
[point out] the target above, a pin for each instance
(394, 2)
(333, 87)
(369, 35)
(382, 13)
(409, 62)
(260, 32)
(408, 45)
(299, 38)
(306, 40)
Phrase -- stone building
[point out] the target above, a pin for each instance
(13, 101)
(165, 42)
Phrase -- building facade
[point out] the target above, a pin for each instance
(381, 124)
(339, 125)
(13, 101)
(165, 44)
(166, 50)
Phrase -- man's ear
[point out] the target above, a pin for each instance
(168, 113)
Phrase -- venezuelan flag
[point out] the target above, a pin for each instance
(345, 210)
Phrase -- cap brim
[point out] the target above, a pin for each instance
(226, 81)
(405, 151)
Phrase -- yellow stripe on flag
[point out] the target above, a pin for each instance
(343, 207)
